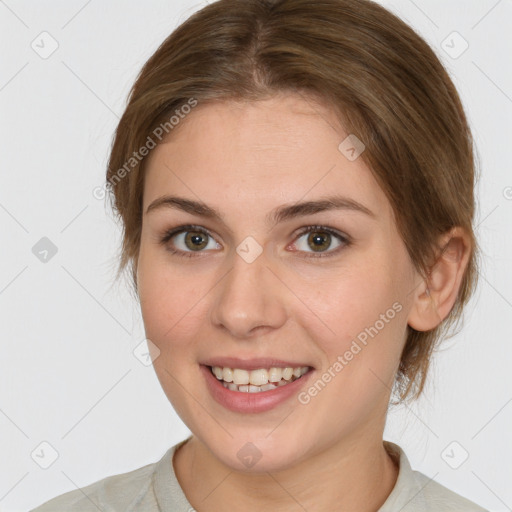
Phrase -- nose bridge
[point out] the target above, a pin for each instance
(249, 296)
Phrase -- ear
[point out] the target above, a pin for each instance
(436, 295)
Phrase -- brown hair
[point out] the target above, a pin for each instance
(371, 68)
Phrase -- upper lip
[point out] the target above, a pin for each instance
(252, 364)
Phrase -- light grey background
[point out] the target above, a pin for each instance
(68, 373)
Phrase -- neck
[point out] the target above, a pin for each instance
(353, 474)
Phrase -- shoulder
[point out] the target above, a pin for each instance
(439, 497)
(119, 491)
(416, 492)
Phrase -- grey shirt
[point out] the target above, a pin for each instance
(155, 488)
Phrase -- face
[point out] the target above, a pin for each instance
(248, 285)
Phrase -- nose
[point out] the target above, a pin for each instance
(250, 299)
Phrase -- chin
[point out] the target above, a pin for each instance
(259, 452)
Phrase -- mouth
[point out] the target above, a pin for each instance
(257, 380)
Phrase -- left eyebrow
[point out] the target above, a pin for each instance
(288, 212)
(279, 214)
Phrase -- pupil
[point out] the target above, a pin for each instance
(196, 240)
(318, 240)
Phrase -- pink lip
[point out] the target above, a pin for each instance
(238, 401)
(251, 364)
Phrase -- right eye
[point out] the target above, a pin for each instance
(192, 239)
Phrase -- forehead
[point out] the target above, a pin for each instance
(259, 155)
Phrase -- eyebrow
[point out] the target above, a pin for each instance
(280, 214)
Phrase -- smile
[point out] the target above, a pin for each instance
(255, 391)
(256, 381)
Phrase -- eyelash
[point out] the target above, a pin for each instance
(190, 254)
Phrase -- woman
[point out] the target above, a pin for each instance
(295, 182)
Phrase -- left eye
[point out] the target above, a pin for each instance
(320, 239)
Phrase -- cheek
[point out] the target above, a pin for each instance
(361, 349)
(165, 297)
(169, 311)
(347, 301)
(357, 320)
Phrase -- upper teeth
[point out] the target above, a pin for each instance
(257, 377)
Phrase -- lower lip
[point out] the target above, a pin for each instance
(239, 401)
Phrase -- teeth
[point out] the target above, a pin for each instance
(255, 381)
(287, 373)
(240, 376)
(258, 377)
(249, 389)
(227, 375)
(274, 374)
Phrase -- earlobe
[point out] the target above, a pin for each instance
(437, 294)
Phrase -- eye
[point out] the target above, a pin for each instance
(194, 239)
(320, 239)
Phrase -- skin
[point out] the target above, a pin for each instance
(245, 159)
